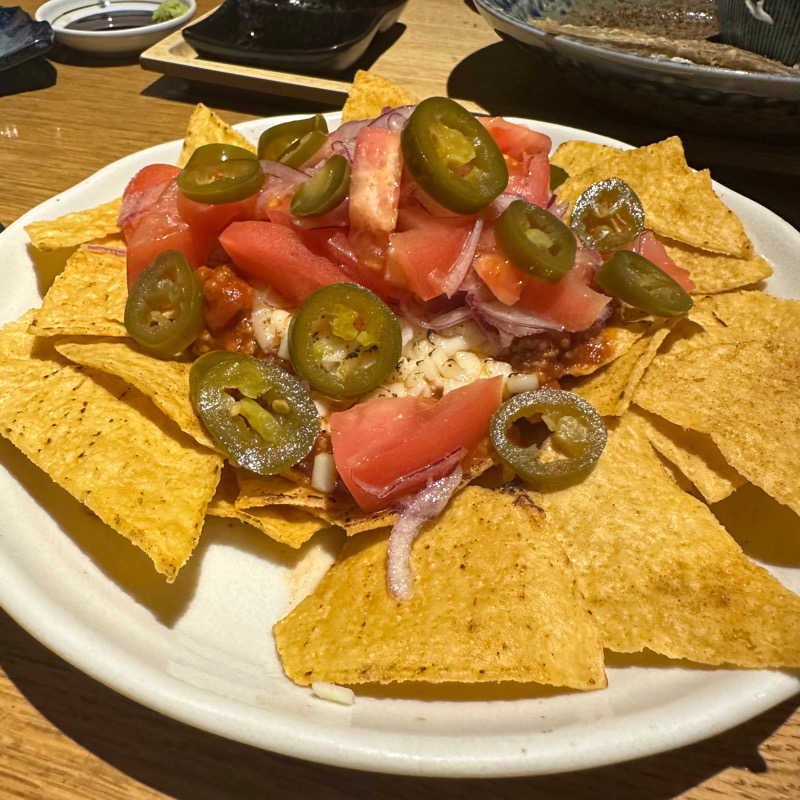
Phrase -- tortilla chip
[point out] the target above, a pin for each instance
(206, 127)
(694, 454)
(576, 156)
(96, 437)
(746, 315)
(166, 383)
(743, 395)
(679, 203)
(495, 600)
(16, 340)
(713, 272)
(87, 298)
(611, 389)
(658, 570)
(370, 94)
(284, 524)
(609, 344)
(76, 228)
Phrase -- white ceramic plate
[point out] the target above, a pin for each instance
(201, 650)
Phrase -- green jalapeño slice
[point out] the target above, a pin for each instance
(293, 143)
(578, 437)
(608, 215)
(638, 282)
(164, 310)
(261, 417)
(324, 190)
(220, 173)
(344, 340)
(452, 156)
(536, 241)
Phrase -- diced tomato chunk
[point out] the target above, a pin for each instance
(516, 140)
(426, 250)
(379, 442)
(530, 178)
(646, 245)
(504, 280)
(211, 219)
(163, 228)
(375, 180)
(142, 192)
(571, 302)
(278, 256)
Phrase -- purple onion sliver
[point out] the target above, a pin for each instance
(462, 264)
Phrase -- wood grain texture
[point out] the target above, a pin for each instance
(65, 737)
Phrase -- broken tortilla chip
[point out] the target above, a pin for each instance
(207, 127)
(495, 600)
(284, 524)
(679, 202)
(76, 228)
(743, 394)
(660, 572)
(166, 383)
(694, 454)
(611, 389)
(714, 272)
(370, 94)
(87, 298)
(97, 438)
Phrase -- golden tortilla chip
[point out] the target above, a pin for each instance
(207, 127)
(495, 600)
(284, 524)
(694, 454)
(744, 396)
(746, 315)
(575, 156)
(713, 272)
(76, 228)
(370, 94)
(87, 298)
(679, 203)
(658, 570)
(166, 383)
(15, 338)
(97, 438)
(611, 389)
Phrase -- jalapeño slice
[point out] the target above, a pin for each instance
(324, 190)
(536, 241)
(640, 283)
(220, 173)
(164, 310)
(452, 156)
(577, 429)
(261, 417)
(344, 340)
(293, 143)
(608, 215)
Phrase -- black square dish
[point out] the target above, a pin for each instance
(300, 36)
(21, 38)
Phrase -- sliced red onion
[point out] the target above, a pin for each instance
(557, 209)
(502, 202)
(588, 257)
(393, 118)
(342, 141)
(416, 478)
(415, 512)
(460, 268)
(509, 319)
(290, 175)
(100, 248)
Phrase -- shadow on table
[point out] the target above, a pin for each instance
(188, 764)
(29, 76)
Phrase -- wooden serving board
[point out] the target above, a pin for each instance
(435, 36)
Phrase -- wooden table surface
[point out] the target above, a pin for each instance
(62, 735)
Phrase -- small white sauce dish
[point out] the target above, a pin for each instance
(61, 13)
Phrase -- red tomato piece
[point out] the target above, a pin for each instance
(530, 178)
(646, 245)
(516, 140)
(571, 302)
(504, 280)
(426, 249)
(141, 192)
(389, 447)
(278, 256)
(162, 228)
(375, 180)
(211, 219)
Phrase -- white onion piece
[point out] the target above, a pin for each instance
(323, 473)
(424, 506)
(334, 693)
(462, 264)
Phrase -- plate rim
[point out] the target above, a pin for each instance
(518, 754)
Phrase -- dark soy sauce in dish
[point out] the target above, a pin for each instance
(112, 20)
